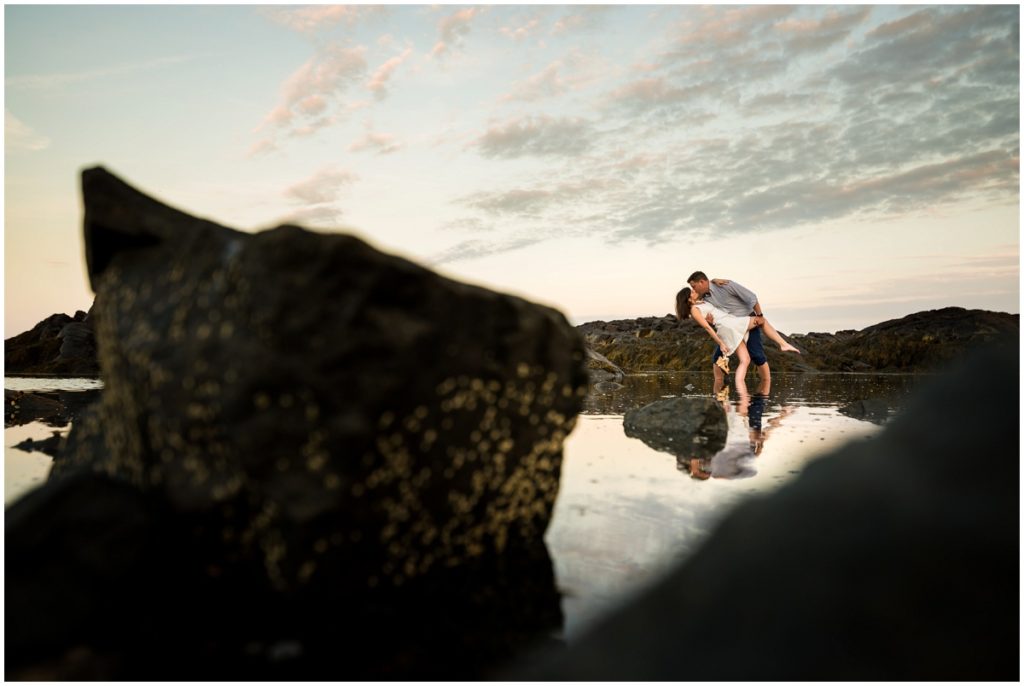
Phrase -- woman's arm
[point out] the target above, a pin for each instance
(699, 317)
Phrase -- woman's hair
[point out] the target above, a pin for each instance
(683, 304)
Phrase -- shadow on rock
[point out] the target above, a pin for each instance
(891, 559)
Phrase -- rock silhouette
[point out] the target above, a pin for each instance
(59, 345)
(346, 451)
(893, 559)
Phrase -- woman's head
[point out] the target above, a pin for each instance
(684, 300)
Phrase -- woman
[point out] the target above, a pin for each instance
(732, 330)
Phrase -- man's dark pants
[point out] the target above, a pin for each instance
(754, 347)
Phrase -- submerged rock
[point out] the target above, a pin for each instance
(365, 452)
(684, 427)
(891, 559)
(873, 410)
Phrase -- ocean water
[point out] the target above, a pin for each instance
(625, 512)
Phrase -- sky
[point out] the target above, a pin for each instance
(849, 164)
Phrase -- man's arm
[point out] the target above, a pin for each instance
(746, 295)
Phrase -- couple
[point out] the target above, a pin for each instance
(736, 314)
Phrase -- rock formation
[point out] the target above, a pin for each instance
(310, 460)
(920, 342)
(895, 559)
(59, 345)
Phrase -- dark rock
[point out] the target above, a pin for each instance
(368, 451)
(685, 427)
(920, 342)
(58, 346)
(895, 559)
(873, 410)
(54, 408)
(23, 407)
(601, 368)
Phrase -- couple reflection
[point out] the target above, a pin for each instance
(748, 432)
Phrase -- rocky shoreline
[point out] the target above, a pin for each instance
(920, 342)
(63, 345)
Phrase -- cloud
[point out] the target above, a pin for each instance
(316, 18)
(810, 35)
(586, 18)
(57, 80)
(544, 84)
(522, 32)
(453, 29)
(572, 72)
(309, 90)
(381, 143)
(327, 216)
(19, 136)
(378, 82)
(537, 136)
(475, 248)
(748, 119)
(261, 147)
(324, 186)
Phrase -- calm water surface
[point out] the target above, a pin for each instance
(626, 512)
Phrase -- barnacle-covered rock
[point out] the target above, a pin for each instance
(346, 421)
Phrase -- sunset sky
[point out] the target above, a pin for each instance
(850, 164)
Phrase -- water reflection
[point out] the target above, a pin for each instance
(625, 511)
(786, 390)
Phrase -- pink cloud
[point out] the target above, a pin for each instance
(308, 91)
(381, 143)
(313, 18)
(453, 29)
(324, 186)
(378, 82)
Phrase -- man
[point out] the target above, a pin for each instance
(734, 299)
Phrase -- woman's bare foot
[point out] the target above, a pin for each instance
(787, 348)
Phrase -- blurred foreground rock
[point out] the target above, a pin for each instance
(892, 559)
(310, 460)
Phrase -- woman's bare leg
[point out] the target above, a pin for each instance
(743, 357)
(772, 334)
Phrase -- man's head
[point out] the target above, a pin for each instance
(699, 283)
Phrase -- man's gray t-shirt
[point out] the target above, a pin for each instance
(732, 297)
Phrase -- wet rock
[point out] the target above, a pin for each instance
(893, 559)
(59, 345)
(685, 427)
(607, 387)
(601, 368)
(54, 408)
(22, 407)
(368, 451)
(873, 410)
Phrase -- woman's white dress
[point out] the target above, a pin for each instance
(731, 329)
